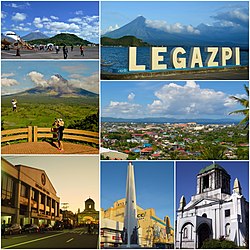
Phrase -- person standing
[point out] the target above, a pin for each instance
(65, 52)
(3, 229)
(60, 134)
(82, 50)
(14, 105)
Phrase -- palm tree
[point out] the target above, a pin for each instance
(245, 103)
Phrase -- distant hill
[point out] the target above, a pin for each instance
(60, 88)
(123, 41)
(169, 120)
(34, 35)
(62, 39)
(208, 36)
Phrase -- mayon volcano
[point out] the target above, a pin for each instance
(202, 35)
(57, 86)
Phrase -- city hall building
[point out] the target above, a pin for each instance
(215, 212)
(153, 231)
(27, 195)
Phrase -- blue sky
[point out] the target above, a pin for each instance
(178, 16)
(154, 185)
(186, 176)
(178, 99)
(18, 76)
(52, 17)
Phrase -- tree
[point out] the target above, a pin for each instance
(245, 103)
(212, 152)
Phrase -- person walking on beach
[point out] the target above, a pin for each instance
(82, 50)
(14, 105)
(60, 134)
(65, 52)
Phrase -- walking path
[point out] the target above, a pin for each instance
(47, 148)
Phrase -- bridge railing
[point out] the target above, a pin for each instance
(17, 134)
(71, 134)
(36, 133)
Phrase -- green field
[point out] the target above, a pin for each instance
(41, 111)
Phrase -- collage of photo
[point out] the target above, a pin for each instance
(124, 124)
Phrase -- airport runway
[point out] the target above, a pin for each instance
(89, 53)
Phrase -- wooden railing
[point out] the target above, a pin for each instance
(36, 133)
(71, 134)
(17, 134)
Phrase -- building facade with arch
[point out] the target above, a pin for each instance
(214, 212)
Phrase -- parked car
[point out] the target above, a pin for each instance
(13, 229)
(30, 228)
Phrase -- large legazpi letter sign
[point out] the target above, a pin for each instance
(194, 60)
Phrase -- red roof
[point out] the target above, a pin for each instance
(146, 150)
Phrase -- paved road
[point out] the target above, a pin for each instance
(74, 238)
(90, 53)
(47, 148)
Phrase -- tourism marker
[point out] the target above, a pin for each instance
(195, 58)
(130, 230)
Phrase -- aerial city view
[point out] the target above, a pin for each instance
(124, 124)
(175, 120)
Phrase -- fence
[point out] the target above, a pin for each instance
(17, 134)
(36, 133)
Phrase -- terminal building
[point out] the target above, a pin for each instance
(153, 231)
(27, 196)
(214, 212)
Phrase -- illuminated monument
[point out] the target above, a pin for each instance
(130, 230)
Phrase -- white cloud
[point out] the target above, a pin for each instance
(38, 22)
(172, 28)
(18, 17)
(37, 78)
(6, 82)
(90, 83)
(20, 28)
(54, 17)
(7, 74)
(110, 28)
(121, 109)
(190, 99)
(61, 26)
(131, 96)
(79, 12)
(75, 20)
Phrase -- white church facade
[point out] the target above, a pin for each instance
(215, 212)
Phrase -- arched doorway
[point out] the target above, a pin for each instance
(204, 233)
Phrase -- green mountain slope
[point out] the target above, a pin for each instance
(62, 39)
(123, 41)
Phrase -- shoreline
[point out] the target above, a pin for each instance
(223, 73)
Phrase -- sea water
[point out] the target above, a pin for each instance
(115, 59)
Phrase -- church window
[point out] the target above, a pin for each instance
(227, 213)
(185, 233)
(204, 215)
(205, 182)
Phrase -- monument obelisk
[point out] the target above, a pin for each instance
(130, 217)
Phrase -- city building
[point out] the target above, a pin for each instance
(153, 231)
(89, 215)
(27, 195)
(215, 212)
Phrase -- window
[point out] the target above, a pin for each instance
(227, 213)
(205, 182)
(204, 215)
(24, 191)
(7, 190)
(185, 233)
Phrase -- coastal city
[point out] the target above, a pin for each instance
(145, 141)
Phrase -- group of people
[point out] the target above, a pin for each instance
(57, 129)
(65, 51)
